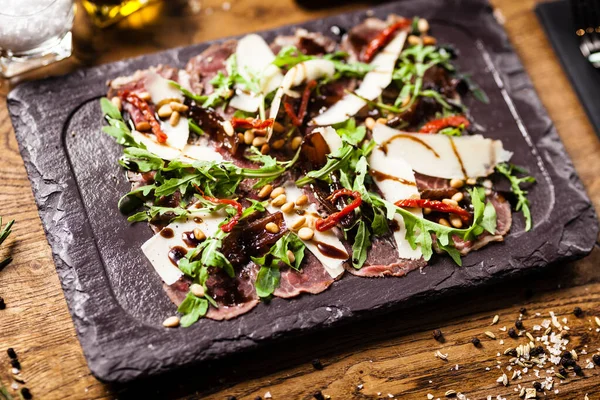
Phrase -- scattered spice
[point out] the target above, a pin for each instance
(512, 333)
(316, 363)
(437, 335)
(578, 312)
(2, 304)
(476, 342)
(495, 320)
(519, 324)
(596, 359)
(537, 386)
(258, 398)
(26, 394)
(577, 369)
(318, 395)
(15, 363)
(562, 371)
(231, 398)
(11, 353)
(523, 310)
(490, 335)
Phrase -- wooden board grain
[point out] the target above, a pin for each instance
(37, 324)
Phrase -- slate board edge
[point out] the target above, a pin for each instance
(122, 368)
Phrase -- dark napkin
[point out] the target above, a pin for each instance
(558, 24)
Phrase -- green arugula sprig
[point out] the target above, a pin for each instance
(419, 230)
(267, 280)
(117, 128)
(3, 235)
(509, 171)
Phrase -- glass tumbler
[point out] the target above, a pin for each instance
(33, 33)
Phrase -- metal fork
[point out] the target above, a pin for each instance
(586, 19)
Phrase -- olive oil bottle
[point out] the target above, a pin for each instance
(106, 12)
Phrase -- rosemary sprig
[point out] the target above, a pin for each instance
(3, 235)
(509, 171)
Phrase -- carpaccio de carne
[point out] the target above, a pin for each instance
(274, 169)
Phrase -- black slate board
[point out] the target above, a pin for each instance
(558, 23)
(116, 299)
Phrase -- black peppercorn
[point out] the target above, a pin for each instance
(437, 335)
(578, 312)
(519, 324)
(563, 372)
(577, 369)
(15, 363)
(566, 362)
(316, 363)
(231, 398)
(26, 394)
(537, 386)
(567, 355)
(512, 333)
(476, 342)
(596, 359)
(11, 353)
(536, 351)
(258, 398)
(2, 304)
(523, 310)
(318, 395)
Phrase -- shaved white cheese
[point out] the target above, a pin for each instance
(333, 140)
(370, 88)
(204, 152)
(334, 266)
(254, 59)
(299, 73)
(160, 89)
(183, 78)
(443, 156)
(399, 184)
(162, 150)
(157, 248)
(178, 135)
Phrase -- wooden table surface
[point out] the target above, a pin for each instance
(399, 362)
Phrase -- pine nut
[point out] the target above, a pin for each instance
(117, 102)
(278, 144)
(458, 197)
(296, 142)
(370, 123)
(181, 108)
(171, 322)
(405, 101)
(456, 183)
(165, 111)
(291, 256)
(288, 207)
(240, 137)
(279, 200)
(471, 181)
(382, 121)
(143, 126)
(198, 234)
(174, 120)
(259, 132)
(299, 223)
(197, 290)
(413, 40)
(427, 211)
(277, 191)
(228, 128)
(450, 202)
(423, 25)
(144, 96)
(272, 227)
(306, 233)
(302, 200)
(444, 221)
(429, 40)
(487, 184)
(456, 221)
(265, 148)
(265, 191)
(259, 141)
(277, 127)
(248, 137)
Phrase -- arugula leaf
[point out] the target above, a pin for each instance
(3, 235)
(192, 308)
(143, 159)
(360, 247)
(335, 161)
(154, 211)
(195, 127)
(109, 109)
(267, 281)
(508, 170)
(197, 98)
(268, 276)
(451, 131)
(350, 133)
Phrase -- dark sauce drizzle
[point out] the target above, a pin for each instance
(381, 176)
(330, 251)
(177, 253)
(167, 233)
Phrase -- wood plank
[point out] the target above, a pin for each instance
(390, 355)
